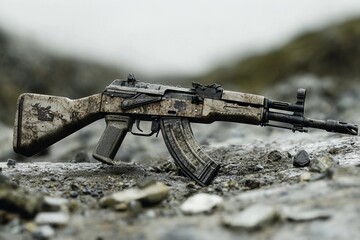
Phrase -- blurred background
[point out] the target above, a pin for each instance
(76, 48)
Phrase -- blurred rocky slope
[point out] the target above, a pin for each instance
(333, 51)
(24, 67)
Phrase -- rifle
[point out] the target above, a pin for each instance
(42, 120)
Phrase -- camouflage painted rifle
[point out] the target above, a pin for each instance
(42, 120)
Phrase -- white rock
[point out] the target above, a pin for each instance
(201, 202)
(152, 194)
(308, 215)
(44, 232)
(55, 203)
(52, 218)
(306, 176)
(253, 217)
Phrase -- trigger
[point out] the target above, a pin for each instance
(138, 125)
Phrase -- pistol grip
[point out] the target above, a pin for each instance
(110, 141)
(186, 151)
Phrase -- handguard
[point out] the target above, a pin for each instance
(186, 151)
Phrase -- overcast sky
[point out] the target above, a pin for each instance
(167, 37)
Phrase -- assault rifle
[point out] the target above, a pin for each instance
(42, 120)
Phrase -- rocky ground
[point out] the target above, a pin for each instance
(267, 188)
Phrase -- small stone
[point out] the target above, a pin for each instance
(321, 165)
(54, 203)
(170, 167)
(145, 182)
(52, 218)
(150, 195)
(80, 157)
(191, 185)
(306, 176)
(334, 151)
(121, 206)
(94, 194)
(73, 194)
(232, 183)
(301, 159)
(254, 217)
(258, 168)
(274, 156)
(45, 179)
(44, 232)
(252, 183)
(201, 202)
(309, 215)
(150, 214)
(86, 191)
(218, 189)
(30, 226)
(99, 192)
(74, 186)
(11, 163)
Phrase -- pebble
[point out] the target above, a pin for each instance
(74, 186)
(94, 194)
(73, 194)
(150, 195)
(306, 176)
(80, 157)
(321, 165)
(301, 159)
(11, 163)
(201, 202)
(52, 218)
(150, 214)
(258, 168)
(54, 203)
(309, 215)
(254, 217)
(274, 156)
(86, 191)
(44, 232)
(121, 206)
(191, 185)
(252, 183)
(145, 182)
(231, 183)
(45, 179)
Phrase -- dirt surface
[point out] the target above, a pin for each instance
(254, 173)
